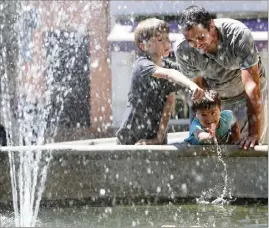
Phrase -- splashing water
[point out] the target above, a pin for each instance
(31, 111)
(25, 121)
(221, 199)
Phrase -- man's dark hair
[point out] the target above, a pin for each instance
(194, 15)
(205, 103)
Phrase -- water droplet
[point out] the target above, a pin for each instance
(102, 192)
(95, 63)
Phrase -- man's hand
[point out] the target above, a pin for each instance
(248, 142)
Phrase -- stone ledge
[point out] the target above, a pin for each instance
(79, 171)
(122, 152)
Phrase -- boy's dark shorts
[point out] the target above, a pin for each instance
(3, 136)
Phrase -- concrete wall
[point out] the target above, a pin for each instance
(133, 173)
(144, 174)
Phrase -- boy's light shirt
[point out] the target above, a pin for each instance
(227, 120)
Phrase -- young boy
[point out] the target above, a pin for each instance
(150, 97)
(211, 122)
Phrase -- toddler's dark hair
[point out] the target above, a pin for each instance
(205, 103)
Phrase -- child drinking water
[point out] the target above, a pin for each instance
(210, 122)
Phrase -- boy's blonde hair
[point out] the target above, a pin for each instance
(149, 28)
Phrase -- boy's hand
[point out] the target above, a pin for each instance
(207, 137)
(153, 141)
(198, 94)
(212, 130)
(204, 136)
(143, 142)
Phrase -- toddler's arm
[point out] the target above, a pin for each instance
(235, 133)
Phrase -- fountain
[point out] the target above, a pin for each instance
(32, 107)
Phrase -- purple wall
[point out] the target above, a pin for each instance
(256, 24)
(253, 24)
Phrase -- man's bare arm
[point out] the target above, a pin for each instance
(251, 81)
(200, 81)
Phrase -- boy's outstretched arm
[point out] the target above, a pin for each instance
(166, 114)
(179, 78)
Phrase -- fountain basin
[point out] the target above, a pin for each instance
(115, 173)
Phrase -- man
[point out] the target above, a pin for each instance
(221, 54)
